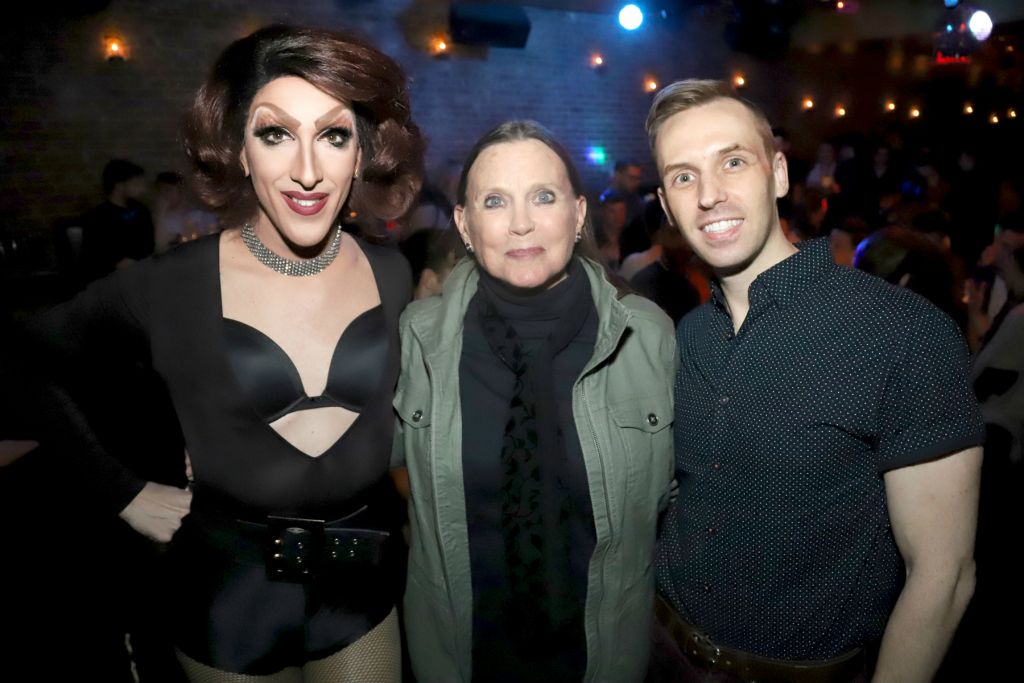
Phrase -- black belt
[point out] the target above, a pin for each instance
(300, 548)
(702, 651)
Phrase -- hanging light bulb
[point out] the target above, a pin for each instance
(115, 48)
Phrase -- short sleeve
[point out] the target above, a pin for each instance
(928, 409)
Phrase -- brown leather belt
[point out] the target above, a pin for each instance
(700, 650)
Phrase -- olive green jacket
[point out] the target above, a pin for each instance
(622, 404)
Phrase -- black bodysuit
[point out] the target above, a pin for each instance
(268, 377)
(228, 381)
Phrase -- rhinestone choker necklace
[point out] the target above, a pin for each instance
(294, 267)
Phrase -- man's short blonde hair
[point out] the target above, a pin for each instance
(690, 93)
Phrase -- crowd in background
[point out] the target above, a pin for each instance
(939, 220)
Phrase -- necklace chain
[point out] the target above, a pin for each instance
(293, 267)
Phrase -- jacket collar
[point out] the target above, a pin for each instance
(439, 326)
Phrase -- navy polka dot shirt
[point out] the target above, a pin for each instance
(779, 541)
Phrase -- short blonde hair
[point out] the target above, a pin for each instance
(691, 93)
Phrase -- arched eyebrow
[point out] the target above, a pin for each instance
(331, 116)
(281, 114)
(291, 122)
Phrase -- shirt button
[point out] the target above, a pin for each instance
(724, 401)
(652, 420)
(417, 416)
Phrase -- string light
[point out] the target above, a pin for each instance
(994, 118)
(439, 46)
(968, 108)
(115, 49)
(738, 80)
(651, 85)
(840, 111)
(840, 5)
(890, 106)
(808, 104)
(1011, 113)
(596, 60)
(915, 113)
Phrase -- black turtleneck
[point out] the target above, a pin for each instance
(486, 386)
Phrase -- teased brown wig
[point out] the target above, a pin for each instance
(343, 66)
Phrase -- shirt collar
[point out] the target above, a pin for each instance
(788, 279)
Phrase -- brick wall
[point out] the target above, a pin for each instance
(66, 110)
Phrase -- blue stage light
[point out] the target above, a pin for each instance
(630, 17)
(951, 3)
(596, 156)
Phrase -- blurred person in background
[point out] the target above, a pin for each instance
(120, 230)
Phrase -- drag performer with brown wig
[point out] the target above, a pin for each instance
(278, 343)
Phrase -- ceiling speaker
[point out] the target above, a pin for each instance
(495, 25)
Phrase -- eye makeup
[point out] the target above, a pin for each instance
(337, 135)
(275, 126)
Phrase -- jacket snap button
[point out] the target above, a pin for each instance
(652, 419)
(417, 416)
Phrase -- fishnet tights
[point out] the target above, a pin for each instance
(374, 658)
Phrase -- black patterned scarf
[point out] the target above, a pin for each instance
(542, 598)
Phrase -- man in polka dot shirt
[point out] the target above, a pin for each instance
(827, 445)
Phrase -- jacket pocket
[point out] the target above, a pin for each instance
(642, 427)
(649, 414)
(412, 405)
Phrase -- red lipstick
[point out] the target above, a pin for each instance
(305, 203)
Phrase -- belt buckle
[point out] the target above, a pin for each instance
(704, 651)
(355, 547)
(294, 546)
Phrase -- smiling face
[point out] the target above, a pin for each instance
(301, 153)
(719, 186)
(521, 216)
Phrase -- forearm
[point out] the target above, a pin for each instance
(923, 623)
(975, 335)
